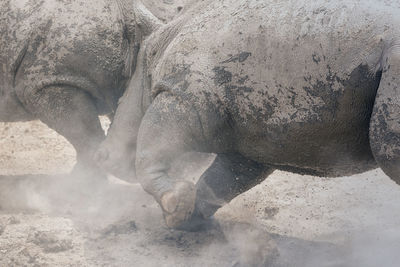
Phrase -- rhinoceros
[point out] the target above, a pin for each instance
(310, 87)
(66, 62)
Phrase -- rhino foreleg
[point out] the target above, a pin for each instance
(72, 113)
(385, 119)
(169, 128)
(228, 176)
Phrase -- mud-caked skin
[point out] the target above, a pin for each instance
(63, 62)
(66, 62)
(311, 87)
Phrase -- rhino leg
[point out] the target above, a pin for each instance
(228, 176)
(72, 113)
(385, 119)
(169, 128)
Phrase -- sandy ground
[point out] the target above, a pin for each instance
(48, 218)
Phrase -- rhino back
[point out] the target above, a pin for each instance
(296, 78)
(78, 43)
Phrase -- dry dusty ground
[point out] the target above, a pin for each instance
(48, 219)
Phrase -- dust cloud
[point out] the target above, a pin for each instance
(53, 219)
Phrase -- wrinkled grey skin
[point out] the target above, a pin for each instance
(66, 62)
(166, 10)
(310, 87)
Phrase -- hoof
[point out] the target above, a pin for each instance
(178, 204)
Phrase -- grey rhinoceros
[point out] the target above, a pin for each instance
(66, 62)
(311, 87)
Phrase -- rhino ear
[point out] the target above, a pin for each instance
(145, 20)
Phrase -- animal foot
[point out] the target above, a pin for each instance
(178, 204)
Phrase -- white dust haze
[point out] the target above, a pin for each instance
(317, 222)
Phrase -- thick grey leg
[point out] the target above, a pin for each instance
(385, 120)
(72, 113)
(169, 128)
(229, 176)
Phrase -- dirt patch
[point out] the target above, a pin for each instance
(48, 219)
